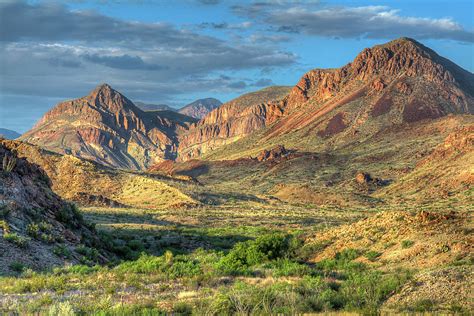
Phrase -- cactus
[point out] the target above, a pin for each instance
(9, 162)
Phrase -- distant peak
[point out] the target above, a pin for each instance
(104, 90)
(103, 87)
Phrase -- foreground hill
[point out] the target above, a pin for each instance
(199, 108)
(390, 86)
(106, 127)
(37, 228)
(91, 184)
(232, 121)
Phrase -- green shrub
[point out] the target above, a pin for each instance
(182, 308)
(252, 252)
(407, 244)
(17, 266)
(70, 215)
(33, 230)
(306, 251)
(342, 261)
(348, 255)
(16, 239)
(61, 309)
(89, 254)
(62, 251)
(4, 211)
(372, 255)
(41, 231)
(365, 291)
(178, 267)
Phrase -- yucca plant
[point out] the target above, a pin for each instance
(9, 162)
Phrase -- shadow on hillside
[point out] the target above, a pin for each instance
(143, 233)
(222, 198)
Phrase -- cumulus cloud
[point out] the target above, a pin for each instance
(226, 26)
(121, 62)
(368, 21)
(45, 45)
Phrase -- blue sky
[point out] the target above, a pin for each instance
(177, 51)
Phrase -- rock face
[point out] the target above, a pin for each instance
(398, 82)
(232, 121)
(199, 108)
(108, 128)
(395, 85)
(34, 221)
(8, 133)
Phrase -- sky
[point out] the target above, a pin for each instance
(177, 51)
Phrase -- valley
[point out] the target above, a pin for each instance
(351, 192)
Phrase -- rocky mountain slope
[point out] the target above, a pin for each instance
(199, 108)
(232, 121)
(394, 85)
(8, 133)
(37, 228)
(106, 127)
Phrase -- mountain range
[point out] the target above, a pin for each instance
(8, 133)
(389, 86)
(196, 109)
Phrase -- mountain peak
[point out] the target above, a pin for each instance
(199, 108)
(103, 89)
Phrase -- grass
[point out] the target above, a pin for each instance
(193, 263)
(222, 260)
(356, 287)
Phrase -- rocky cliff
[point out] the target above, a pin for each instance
(232, 121)
(106, 127)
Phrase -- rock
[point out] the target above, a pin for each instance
(273, 154)
(378, 84)
(363, 178)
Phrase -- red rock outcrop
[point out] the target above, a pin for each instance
(231, 121)
(400, 82)
(106, 127)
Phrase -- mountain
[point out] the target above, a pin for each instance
(199, 108)
(106, 127)
(35, 222)
(395, 85)
(8, 133)
(231, 121)
(153, 107)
